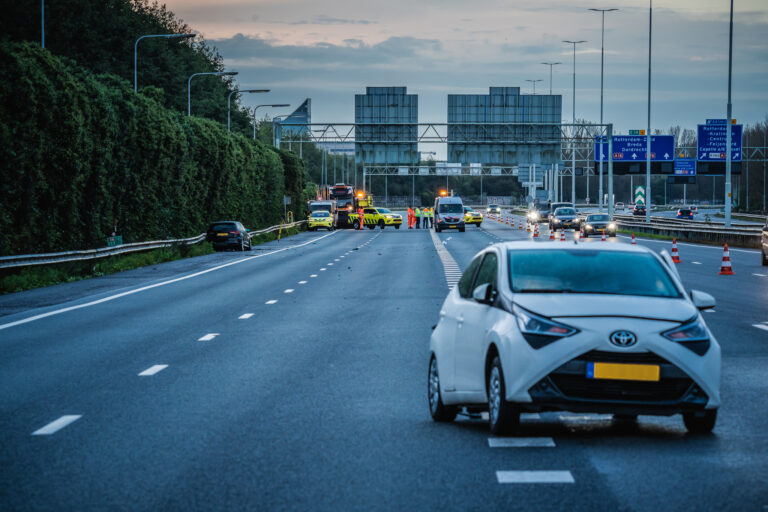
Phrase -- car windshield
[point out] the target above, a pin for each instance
(493, 206)
(321, 214)
(565, 211)
(224, 226)
(587, 271)
(384, 210)
(598, 218)
(450, 208)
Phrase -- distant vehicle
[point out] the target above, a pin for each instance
(555, 206)
(320, 219)
(765, 243)
(598, 223)
(639, 209)
(538, 214)
(619, 207)
(685, 213)
(449, 214)
(228, 234)
(472, 216)
(536, 327)
(493, 208)
(327, 205)
(564, 218)
(344, 195)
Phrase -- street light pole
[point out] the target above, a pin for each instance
(189, 85)
(42, 23)
(229, 102)
(550, 64)
(648, 132)
(573, 141)
(534, 84)
(728, 128)
(254, 114)
(602, 68)
(135, 51)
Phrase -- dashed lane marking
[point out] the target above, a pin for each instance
(153, 370)
(759, 275)
(521, 442)
(302, 282)
(330, 264)
(245, 316)
(710, 311)
(322, 269)
(57, 425)
(762, 326)
(289, 290)
(270, 302)
(696, 263)
(534, 477)
(313, 275)
(209, 336)
(156, 285)
(451, 269)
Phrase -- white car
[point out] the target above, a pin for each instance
(543, 326)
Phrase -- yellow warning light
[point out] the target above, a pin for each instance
(360, 194)
(443, 193)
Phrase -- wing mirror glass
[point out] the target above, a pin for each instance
(484, 294)
(702, 300)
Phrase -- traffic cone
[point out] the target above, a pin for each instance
(581, 235)
(633, 239)
(602, 239)
(528, 228)
(676, 256)
(551, 234)
(725, 267)
(562, 235)
(536, 231)
(520, 225)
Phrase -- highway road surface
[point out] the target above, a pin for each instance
(293, 377)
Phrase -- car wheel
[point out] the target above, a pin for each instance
(356, 224)
(503, 417)
(437, 229)
(397, 226)
(702, 423)
(381, 224)
(440, 412)
(765, 259)
(371, 226)
(461, 230)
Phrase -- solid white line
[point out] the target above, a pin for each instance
(302, 282)
(246, 316)
(521, 442)
(209, 336)
(153, 370)
(534, 477)
(270, 302)
(57, 425)
(289, 290)
(156, 285)
(761, 326)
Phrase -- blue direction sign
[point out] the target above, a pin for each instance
(631, 148)
(712, 140)
(685, 167)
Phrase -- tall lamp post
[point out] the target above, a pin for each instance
(42, 23)
(573, 141)
(648, 132)
(728, 149)
(229, 102)
(136, 50)
(259, 106)
(602, 62)
(189, 85)
(534, 84)
(550, 64)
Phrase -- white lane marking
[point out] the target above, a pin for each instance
(270, 302)
(759, 275)
(330, 264)
(313, 275)
(521, 442)
(245, 316)
(534, 477)
(749, 251)
(451, 269)
(761, 326)
(322, 269)
(156, 285)
(57, 425)
(696, 263)
(302, 282)
(289, 290)
(709, 311)
(337, 259)
(209, 336)
(153, 370)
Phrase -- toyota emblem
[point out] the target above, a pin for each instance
(623, 338)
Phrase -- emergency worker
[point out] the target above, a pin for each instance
(410, 218)
(361, 216)
(431, 217)
(417, 213)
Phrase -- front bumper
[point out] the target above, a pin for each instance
(326, 225)
(473, 220)
(566, 225)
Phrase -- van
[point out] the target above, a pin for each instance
(449, 213)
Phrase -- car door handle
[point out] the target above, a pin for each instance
(460, 320)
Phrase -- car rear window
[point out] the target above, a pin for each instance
(685, 212)
(587, 271)
(221, 227)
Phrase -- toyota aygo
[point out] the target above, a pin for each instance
(553, 327)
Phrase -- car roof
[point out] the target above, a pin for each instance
(560, 246)
(453, 199)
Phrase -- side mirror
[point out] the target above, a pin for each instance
(702, 300)
(484, 294)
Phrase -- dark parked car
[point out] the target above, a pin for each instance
(765, 243)
(639, 209)
(228, 234)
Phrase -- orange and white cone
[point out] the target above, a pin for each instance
(520, 225)
(536, 231)
(528, 228)
(581, 235)
(633, 239)
(562, 235)
(602, 239)
(676, 256)
(725, 267)
(551, 234)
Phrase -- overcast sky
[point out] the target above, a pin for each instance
(333, 49)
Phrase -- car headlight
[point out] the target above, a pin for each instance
(611, 226)
(693, 335)
(588, 226)
(390, 217)
(539, 331)
(557, 221)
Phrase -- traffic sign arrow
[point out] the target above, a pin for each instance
(666, 156)
(634, 156)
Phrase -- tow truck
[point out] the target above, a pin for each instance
(346, 203)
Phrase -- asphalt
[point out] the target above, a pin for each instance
(318, 401)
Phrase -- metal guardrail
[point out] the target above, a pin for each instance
(24, 260)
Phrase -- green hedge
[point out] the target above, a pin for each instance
(82, 153)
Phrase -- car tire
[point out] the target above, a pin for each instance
(356, 224)
(702, 424)
(397, 226)
(461, 229)
(437, 229)
(371, 226)
(440, 412)
(381, 224)
(503, 417)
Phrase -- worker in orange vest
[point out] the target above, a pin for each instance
(410, 218)
(361, 217)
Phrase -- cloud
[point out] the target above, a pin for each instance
(326, 20)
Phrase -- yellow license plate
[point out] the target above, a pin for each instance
(222, 234)
(620, 371)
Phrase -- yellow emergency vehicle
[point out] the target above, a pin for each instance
(472, 216)
(375, 216)
(320, 219)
